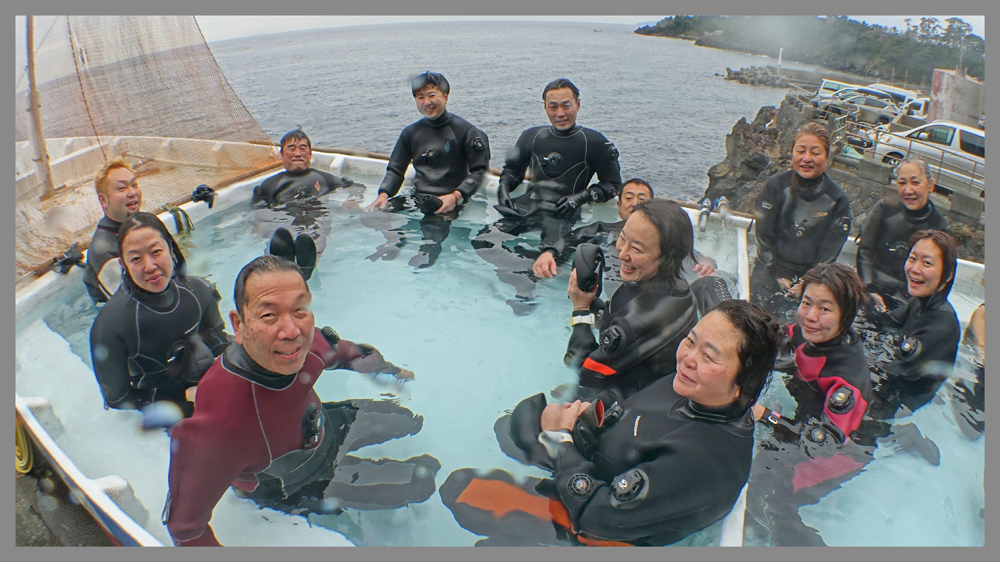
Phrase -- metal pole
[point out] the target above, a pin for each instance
(34, 107)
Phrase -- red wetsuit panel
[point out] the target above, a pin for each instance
(239, 426)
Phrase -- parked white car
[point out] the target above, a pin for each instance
(956, 154)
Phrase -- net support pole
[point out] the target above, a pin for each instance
(44, 173)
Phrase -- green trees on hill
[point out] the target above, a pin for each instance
(839, 43)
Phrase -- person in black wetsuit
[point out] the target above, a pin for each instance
(157, 336)
(650, 313)
(605, 235)
(925, 330)
(803, 219)
(260, 426)
(292, 199)
(812, 451)
(558, 161)
(887, 230)
(649, 469)
(120, 197)
(450, 157)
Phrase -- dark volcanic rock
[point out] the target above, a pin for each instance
(754, 152)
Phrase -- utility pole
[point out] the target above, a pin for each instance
(34, 107)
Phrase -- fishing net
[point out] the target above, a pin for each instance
(146, 88)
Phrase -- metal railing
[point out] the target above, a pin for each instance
(976, 180)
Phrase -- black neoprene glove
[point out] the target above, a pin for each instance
(568, 206)
(503, 196)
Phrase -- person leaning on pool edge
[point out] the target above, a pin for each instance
(120, 197)
(647, 470)
(886, 232)
(803, 218)
(256, 409)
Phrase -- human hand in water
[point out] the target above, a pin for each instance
(380, 203)
(704, 269)
(448, 202)
(793, 292)
(545, 266)
(503, 197)
(581, 300)
(556, 417)
(877, 301)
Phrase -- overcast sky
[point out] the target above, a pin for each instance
(218, 28)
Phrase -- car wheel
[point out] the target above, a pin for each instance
(892, 159)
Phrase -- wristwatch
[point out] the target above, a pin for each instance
(583, 319)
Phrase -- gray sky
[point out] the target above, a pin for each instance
(218, 28)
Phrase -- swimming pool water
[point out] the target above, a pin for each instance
(474, 360)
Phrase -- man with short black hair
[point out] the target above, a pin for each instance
(298, 180)
(450, 156)
(120, 197)
(558, 161)
(259, 426)
(290, 198)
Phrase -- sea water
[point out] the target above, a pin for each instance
(658, 99)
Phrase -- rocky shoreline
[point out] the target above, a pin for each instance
(757, 150)
(757, 76)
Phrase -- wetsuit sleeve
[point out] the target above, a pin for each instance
(212, 328)
(517, 161)
(109, 356)
(836, 231)
(845, 413)
(609, 174)
(561, 247)
(477, 151)
(398, 161)
(936, 338)
(265, 191)
(870, 231)
(334, 181)
(198, 476)
(671, 485)
(344, 354)
(766, 214)
(648, 323)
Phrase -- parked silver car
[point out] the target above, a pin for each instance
(956, 154)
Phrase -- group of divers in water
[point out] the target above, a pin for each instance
(656, 437)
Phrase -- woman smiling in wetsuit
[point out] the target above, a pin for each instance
(803, 218)
(831, 383)
(649, 469)
(650, 313)
(929, 331)
(162, 330)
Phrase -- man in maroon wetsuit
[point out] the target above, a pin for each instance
(257, 417)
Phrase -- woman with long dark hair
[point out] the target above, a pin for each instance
(649, 469)
(650, 313)
(161, 330)
(803, 218)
